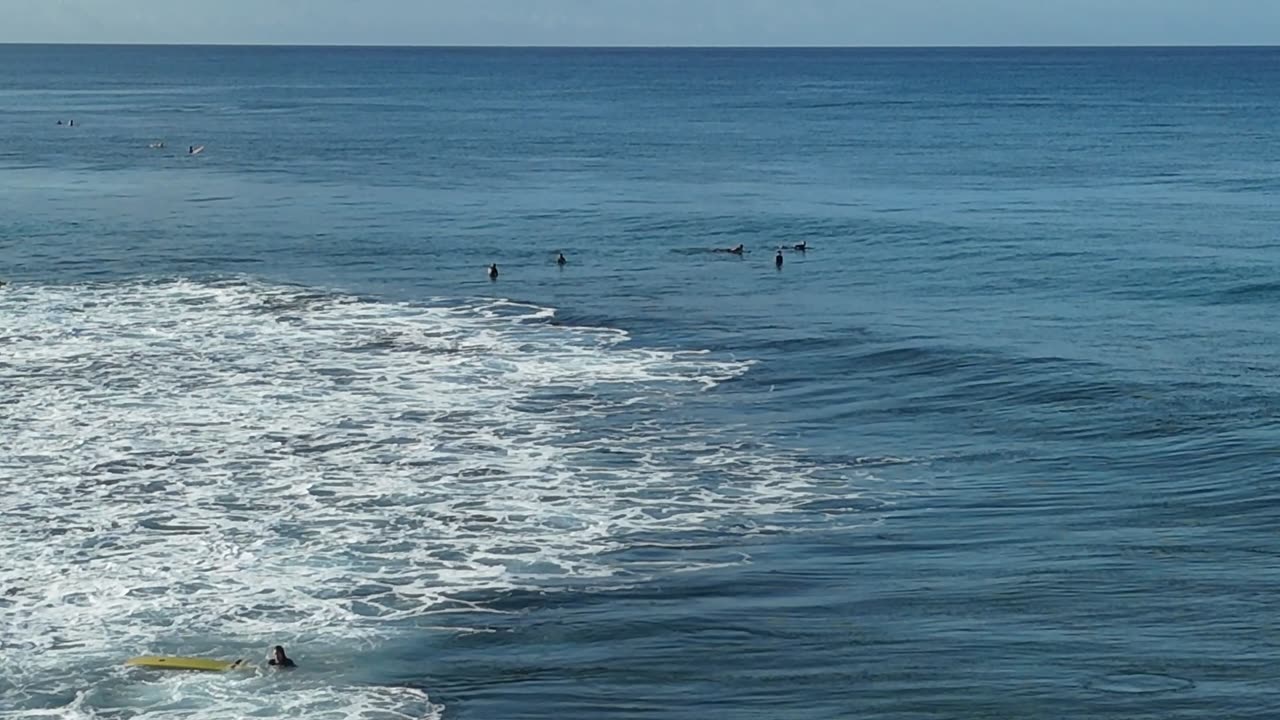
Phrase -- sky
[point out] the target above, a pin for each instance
(645, 22)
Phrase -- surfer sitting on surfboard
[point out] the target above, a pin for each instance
(279, 659)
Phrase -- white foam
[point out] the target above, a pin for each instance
(207, 468)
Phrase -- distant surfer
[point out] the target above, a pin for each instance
(777, 260)
(801, 246)
(736, 249)
(493, 271)
(560, 259)
(279, 659)
(59, 122)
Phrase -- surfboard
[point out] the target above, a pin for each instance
(166, 662)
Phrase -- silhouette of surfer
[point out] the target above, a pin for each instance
(493, 271)
(560, 259)
(279, 659)
(777, 260)
(736, 249)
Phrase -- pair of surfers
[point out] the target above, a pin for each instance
(493, 267)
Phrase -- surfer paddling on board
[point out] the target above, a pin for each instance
(279, 659)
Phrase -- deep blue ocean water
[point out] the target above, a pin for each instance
(1000, 444)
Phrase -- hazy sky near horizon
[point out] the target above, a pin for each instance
(645, 22)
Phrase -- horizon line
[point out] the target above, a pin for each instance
(539, 46)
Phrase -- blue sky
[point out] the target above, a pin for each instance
(646, 22)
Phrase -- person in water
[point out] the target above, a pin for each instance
(801, 246)
(493, 271)
(560, 259)
(777, 260)
(279, 659)
(736, 249)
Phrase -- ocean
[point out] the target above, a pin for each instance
(998, 443)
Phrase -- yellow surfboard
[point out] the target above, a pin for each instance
(166, 662)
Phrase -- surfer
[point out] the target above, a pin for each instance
(493, 271)
(801, 246)
(560, 259)
(279, 659)
(736, 249)
(777, 261)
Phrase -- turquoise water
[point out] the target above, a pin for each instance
(1000, 443)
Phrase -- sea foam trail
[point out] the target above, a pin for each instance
(198, 467)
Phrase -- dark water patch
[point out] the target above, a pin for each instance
(1242, 184)
(166, 525)
(126, 466)
(228, 260)
(914, 360)
(1254, 293)
(210, 199)
(1139, 683)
